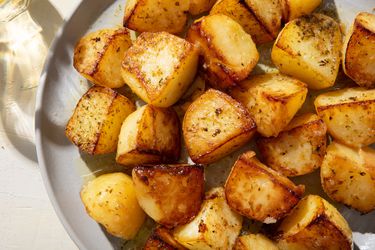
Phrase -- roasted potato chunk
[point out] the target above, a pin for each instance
(98, 56)
(214, 126)
(254, 242)
(229, 53)
(95, 124)
(314, 224)
(215, 227)
(308, 48)
(162, 239)
(170, 194)
(258, 192)
(359, 50)
(110, 200)
(299, 149)
(159, 67)
(349, 115)
(272, 100)
(293, 9)
(153, 16)
(199, 6)
(348, 176)
(149, 135)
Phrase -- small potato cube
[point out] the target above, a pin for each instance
(149, 135)
(214, 126)
(110, 200)
(95, 124)
(299, 149)
(215, 227)
(199, 6)
(258, 192)
(162, 239)
(349, 115)
(308, 48)
(293, 9)
(359, 50)
(159, 67)
(348, 176)
(229, 53)
(98, 56)
(272, 100)
(254, 242)
(170, 194)
(314, 224)
(153, 16)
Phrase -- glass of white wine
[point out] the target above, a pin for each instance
(9, 9)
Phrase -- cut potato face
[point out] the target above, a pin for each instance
(308, 48)
(272, 100)
(170, 194)
(162, 239)
(98, 56)
(95, 124)
(299, 149)
(214, 126)
(258, 192)
(110, 200)
(159, 67)
(293, 9)
(199, 6)
(314, 224)
(154, 16)
(348, 176)
(149, 135)
(215, 227)
(229, 53)
(359, 51)
(254, 242)
(349, 115)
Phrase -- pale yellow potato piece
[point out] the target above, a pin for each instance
(215, 227)
(153, 16)
(95, 124)
(229, 53)
(214, 126)
(199, 6)
(293, 9)
(348, 176)
(272, 100)
(254, 242)
(349, 115)
(98, 56)
(258, 192)
(297, 150)
(308, 48)
(359, 51)
(314, 224)
(159, 67)
(111, 201)
(149, 135)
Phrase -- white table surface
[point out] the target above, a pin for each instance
(27, 219)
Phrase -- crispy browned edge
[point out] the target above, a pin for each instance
(125, 20)
(355, 103)
(161, 239)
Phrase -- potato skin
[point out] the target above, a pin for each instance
(170, 194)
(359, 48)
(199, 6)
(258, 192)
(110, 200)
(348, 176)
(95, 124)
(293, 9)
(254, 242)
(98, 56)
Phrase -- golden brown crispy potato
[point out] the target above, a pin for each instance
(314, 224)
(229, 53)
(110, 200)
(98, 56)
(162, 239)
(348, 176)
(349, 115)
(153, 16)
(215, 227)
(359, 49)
(272, 100)
(258, 192)
(149, 135)
(308, 48)
(214, 126)
(170, 194)
(95, 124)
(199, 6)
(299, 149)
(159, 67)
(254, 242)
(293, 9)
(240, 12)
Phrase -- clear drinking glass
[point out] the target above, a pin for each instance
(9, 9)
